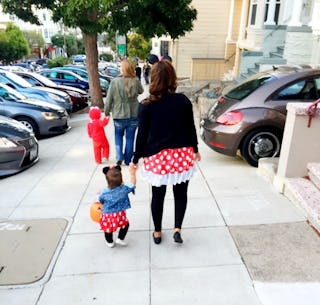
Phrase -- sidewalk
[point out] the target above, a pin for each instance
(244, 244)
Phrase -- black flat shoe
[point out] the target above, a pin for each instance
(157, 240)
(177, 238)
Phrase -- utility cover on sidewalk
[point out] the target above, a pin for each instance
(26, 249)
(288, 252)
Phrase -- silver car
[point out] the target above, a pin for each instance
(39, 117)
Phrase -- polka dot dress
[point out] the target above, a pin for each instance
(111, 222)
(169, 166)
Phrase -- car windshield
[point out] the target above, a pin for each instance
(18, 80)
(7, 93)
(244, 89)
(46, 80)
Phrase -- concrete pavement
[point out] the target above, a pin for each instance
(244, 243)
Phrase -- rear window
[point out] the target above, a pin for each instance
(246, 88)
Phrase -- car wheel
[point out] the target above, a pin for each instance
(261, 144)
(30, 124)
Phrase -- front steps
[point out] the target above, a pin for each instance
(302, 191)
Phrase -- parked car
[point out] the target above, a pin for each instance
(18, 147)
(101, 75)
(78, 96)
(251, 116)
(50, 95)
(111, 71)
(79, 59)
(13, 68)
(85, 75)
(39, 117)
(28, 66)
(66, 78)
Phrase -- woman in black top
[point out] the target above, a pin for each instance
(167, 142)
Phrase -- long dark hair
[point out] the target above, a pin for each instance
(163, 79)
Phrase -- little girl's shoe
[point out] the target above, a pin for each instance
(121, 242)
(110, 245)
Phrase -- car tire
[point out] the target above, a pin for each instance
(29, 123)
(261, 143)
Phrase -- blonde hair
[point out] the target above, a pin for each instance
(127, 69)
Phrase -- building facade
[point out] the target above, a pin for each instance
(240, 37)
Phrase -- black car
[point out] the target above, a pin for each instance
(18, 147)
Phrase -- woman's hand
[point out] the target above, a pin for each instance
(197, 156)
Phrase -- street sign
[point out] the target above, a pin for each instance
(121, 49)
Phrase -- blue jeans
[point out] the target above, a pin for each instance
(127, 128)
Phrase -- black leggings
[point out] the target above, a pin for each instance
(180, 204)
(122, 234)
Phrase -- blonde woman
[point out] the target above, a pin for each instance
(122, 103)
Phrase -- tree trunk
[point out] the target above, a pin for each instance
(90, 44)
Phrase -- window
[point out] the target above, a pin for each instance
(244, 89)
(276, 13)
(301, 90)
(254, 5)
(164, 48)
(68, 77)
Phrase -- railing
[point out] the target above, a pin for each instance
(311, 111)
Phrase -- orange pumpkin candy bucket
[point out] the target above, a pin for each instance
(95, 211)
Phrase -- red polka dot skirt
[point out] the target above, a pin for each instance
(169, 166)
(111, 222)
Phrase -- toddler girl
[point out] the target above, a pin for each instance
(115, 201)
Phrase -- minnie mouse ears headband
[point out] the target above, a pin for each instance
(106, 169)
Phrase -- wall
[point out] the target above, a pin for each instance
(207, 40)
(209, 69)
(300, 144)
(298, 46)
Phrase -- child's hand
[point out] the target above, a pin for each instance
(133, 168)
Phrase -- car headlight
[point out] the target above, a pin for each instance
(73, 93)
(50, 116)
(6, 143)
(55, 97)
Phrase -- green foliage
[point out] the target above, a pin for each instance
(13, 44)
(68, 40)
(4, 48)
(57, 40)
(34, 39)
(58, 62)
(138, 46)
(80, 46)
(148, 17)
(106, 57)
(110, 40)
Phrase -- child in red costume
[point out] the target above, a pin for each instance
(96, 132)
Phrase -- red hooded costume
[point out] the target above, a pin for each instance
(96, 132)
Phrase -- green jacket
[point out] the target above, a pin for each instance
(122, 98)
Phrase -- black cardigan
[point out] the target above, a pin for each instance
(167, 123)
